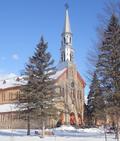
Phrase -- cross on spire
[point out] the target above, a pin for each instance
(66, 5)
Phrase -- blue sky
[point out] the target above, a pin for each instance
(22, 22)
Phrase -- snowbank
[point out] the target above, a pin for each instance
(70, 134)
(71, 131)
(64, 127)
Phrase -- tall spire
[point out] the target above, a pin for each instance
(67, 21)
(66, 49)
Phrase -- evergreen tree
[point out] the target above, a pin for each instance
(96, 103)
(108, 66)
(38, 97)
(109, 59)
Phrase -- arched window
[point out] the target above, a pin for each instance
(70, 39)
(79, 119)
(64, 39)
(70, 57)
(64, 56)
(63, 92)
(72, 118)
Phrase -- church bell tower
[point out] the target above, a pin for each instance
(66, 49)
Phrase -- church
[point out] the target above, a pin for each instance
(67, 78)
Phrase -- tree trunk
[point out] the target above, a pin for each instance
(105, 127)
(117, 127)
(28, 124)
(105, 132)
(95, 122)
(43, 128)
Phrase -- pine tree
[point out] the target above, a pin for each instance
(38, 97)
(96, 103)
(109, 58)
(26, 104)
(108, 66)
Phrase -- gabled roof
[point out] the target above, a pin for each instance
(59, 73)
(82, 80)
(11, 80)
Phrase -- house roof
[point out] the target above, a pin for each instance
(79, 76)
(11, 80)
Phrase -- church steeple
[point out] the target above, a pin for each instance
(66, 43)
(67, 21)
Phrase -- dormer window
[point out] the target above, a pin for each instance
(17, 79)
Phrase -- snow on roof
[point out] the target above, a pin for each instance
(4, 76)
(11, 80)
(58, 73)
(8, 108)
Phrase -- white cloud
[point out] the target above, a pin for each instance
(15, 56)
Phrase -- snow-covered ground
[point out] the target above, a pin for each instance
(64, 133)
